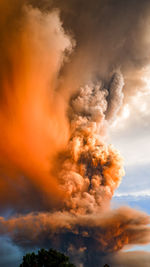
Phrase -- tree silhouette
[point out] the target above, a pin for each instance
(46, 258)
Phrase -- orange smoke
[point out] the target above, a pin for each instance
(89, 169)
(34, 124)
(51, 150)
(31, 111)
(103, 232)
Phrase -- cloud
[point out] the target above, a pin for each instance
(91, 233)
(33, 50)
(57, 172)
(142, 193)
(131, 259)
(106, 40)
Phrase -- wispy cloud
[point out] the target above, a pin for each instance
(142, 193)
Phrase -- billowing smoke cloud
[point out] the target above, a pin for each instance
(91, 236)
(109, 231)
(90, 170)
(32, 51)
(60, 89)
(109, 34)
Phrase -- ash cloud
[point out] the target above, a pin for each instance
(93, 235)
(32, 49)
(65, 71)
(109, 34)
(90, 170)
(115, 97)
(130, 259)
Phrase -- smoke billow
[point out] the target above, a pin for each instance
(32, 51)
(90, 170)
(109, 34)
(61, 86)
(90, 236)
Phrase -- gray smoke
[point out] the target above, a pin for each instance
(109, 34)
(115, 97)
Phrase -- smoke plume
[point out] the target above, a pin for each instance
(63, 82)
(32, 51)
(90, 170)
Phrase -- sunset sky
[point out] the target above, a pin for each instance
(74, 130)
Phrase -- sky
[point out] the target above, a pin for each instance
(132, 139)
(74, 138)
(133, 142)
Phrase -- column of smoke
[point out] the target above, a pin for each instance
(54, 159)
(90, 170)
(31, 54)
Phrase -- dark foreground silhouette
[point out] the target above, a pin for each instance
(46, 258)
